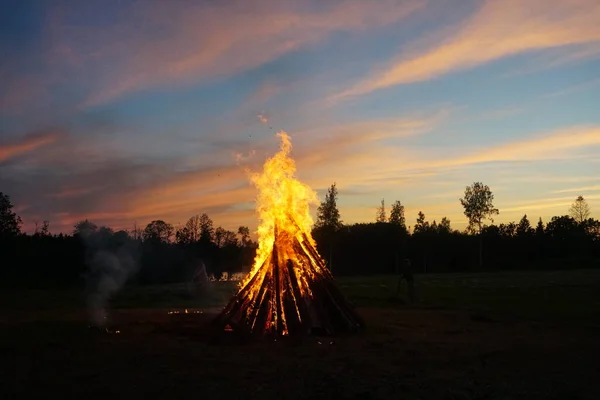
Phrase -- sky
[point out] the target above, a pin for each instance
(124, 112)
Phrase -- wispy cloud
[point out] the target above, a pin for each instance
(151, 43)
(403, 169)
(582, 189)
(377, 160)
(76, 179)
(28, 144)
(498, 29)
(575, 88)
(553, 145)
(545, 204)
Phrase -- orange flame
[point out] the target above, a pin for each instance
(289, 289)
(282, 201)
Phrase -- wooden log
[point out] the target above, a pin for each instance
(259, 325)
(296, 292)
(237, 301)
(260, 298)
(281, 302)
(279, 319)
(297, 316)
(309, 249)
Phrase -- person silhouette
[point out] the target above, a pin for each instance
(406, 274)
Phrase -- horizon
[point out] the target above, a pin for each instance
(112, 112)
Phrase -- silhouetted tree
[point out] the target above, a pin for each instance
(328, 221)
(592, 229)
(10, 222)
(478, 205)
(398, 220)
(158, 230)
(121, 237)
(422, 232)
(190, 232)
(380, 215)
(229, 239)
(105, 231)
(85, 228)
(224, 238)
(539, 228)
(579, 210)
(207, 231)
(565, 235)
(219, 233)
(182, 236)
(444, 226)
(244, 233)
(248, 249)
(524, 228)
(508, 229)
(397, 214)
(421, 226)
(45, 229)
(136, 232)
(328, 215)
(561, 227)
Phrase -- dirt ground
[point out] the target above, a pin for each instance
(405, 353)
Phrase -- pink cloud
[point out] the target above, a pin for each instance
(154, 44)
(28, 144)
(498, 29)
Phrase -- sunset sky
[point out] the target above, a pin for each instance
(130, 111)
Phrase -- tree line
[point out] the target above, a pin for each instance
(161, 252)
(164, 253)
(570, 240)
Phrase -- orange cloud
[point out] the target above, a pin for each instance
(557, 204)
(498, 29)
(554, 145)
(326, 144)
(220, 191)
(201, 181)
(380, 161)
(592, 188)
(65, 193)
(355, 155)
(28, 144)
(172, 44)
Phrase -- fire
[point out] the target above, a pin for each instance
(282, 201)
(288, 290)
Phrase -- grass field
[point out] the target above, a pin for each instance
(511, 335)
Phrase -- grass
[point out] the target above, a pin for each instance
(513, 335)
(550, 295)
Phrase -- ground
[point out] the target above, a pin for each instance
(528, 335)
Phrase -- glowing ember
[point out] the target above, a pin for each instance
(186, 311)
(288, 289)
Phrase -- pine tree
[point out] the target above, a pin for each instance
(397, 214)
(380, 215)
(328, 215)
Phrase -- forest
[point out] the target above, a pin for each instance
(159, 253)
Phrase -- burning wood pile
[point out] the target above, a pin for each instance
(289, 290)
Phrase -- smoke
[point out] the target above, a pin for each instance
(109, 267)
(263, 118)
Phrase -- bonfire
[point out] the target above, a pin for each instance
(289, 290)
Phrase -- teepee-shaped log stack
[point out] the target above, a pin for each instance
(292, 293)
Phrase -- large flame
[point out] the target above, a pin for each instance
(282, 201)
(289, 289)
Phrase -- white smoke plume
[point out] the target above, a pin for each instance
(108, 271)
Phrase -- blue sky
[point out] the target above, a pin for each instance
(129, 111)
